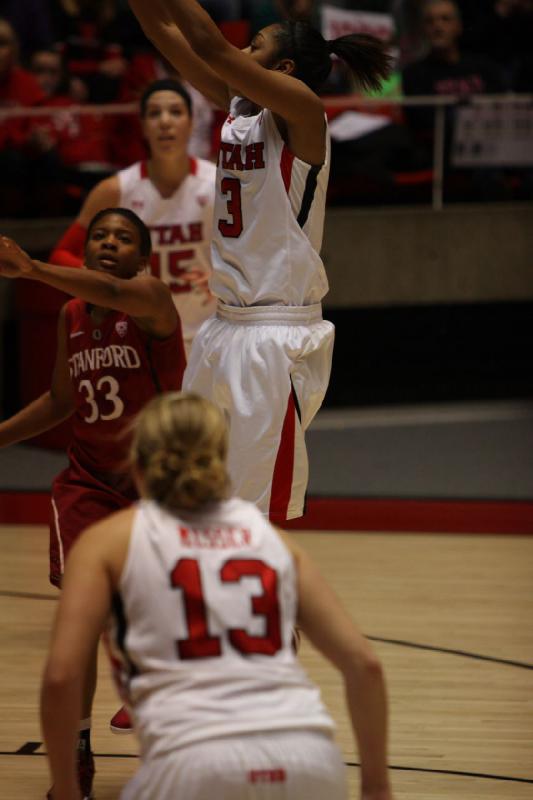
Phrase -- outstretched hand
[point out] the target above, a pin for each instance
(14, 262)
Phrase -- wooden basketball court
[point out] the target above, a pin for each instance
(451, 617)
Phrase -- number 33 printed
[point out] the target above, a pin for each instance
(108, 385)
(199, 643)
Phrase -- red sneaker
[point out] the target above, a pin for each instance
(121, 722)
(85, 776)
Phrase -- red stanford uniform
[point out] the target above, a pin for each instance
(116, 368)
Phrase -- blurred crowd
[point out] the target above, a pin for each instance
(70, 53)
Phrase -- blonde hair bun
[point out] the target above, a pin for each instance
(179, 446)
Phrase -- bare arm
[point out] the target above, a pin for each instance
(83, 609)
(331, 630)
(290, 99)
(105, 194)
(50, 408)
(159, 27)
(145, 298)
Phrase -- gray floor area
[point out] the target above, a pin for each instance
(459, 451)
(31, 469)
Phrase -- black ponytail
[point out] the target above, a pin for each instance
(366, 56)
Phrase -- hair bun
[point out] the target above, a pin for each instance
(180, 444)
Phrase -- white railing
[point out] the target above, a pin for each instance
(439, 103)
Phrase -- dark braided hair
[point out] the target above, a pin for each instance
(366, 56)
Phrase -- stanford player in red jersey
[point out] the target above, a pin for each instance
(119, 344)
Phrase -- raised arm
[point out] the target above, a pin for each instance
(290, 99)
(160, 28)
(50, 408)
(331, 630)
(145, 298)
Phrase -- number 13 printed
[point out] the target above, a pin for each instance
(199, 643)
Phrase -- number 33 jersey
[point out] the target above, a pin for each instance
(115, 368)
(204, 620)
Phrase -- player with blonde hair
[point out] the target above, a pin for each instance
(204, 594)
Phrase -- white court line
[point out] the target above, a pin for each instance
(398, 416)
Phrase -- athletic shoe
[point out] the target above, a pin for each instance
(86, 773)
(121, 722)
(85, 776)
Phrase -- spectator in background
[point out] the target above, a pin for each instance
(47, 67)
(90, 34)
(83, 143)
(18, 87)
(31, 22)
(446, 70)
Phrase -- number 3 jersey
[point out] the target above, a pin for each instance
(115, 368)
(181, 230)
(269, 216)
(203, 624)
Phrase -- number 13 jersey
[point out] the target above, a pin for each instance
(204, 623)
(269, 216)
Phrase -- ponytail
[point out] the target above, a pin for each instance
(366, 56)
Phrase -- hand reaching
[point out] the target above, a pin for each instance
(199, 283)
(14, 262)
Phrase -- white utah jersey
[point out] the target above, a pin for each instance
(181, 230)
(204, 622)
(269, 216)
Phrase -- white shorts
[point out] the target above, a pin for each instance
(268, 368)
(284, 765)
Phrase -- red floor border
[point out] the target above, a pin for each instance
(416, 516)
(342, 513)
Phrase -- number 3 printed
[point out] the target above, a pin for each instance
(199, 643)
(231, 229)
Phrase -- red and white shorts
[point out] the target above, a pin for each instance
(268, 368)
(79, 499)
